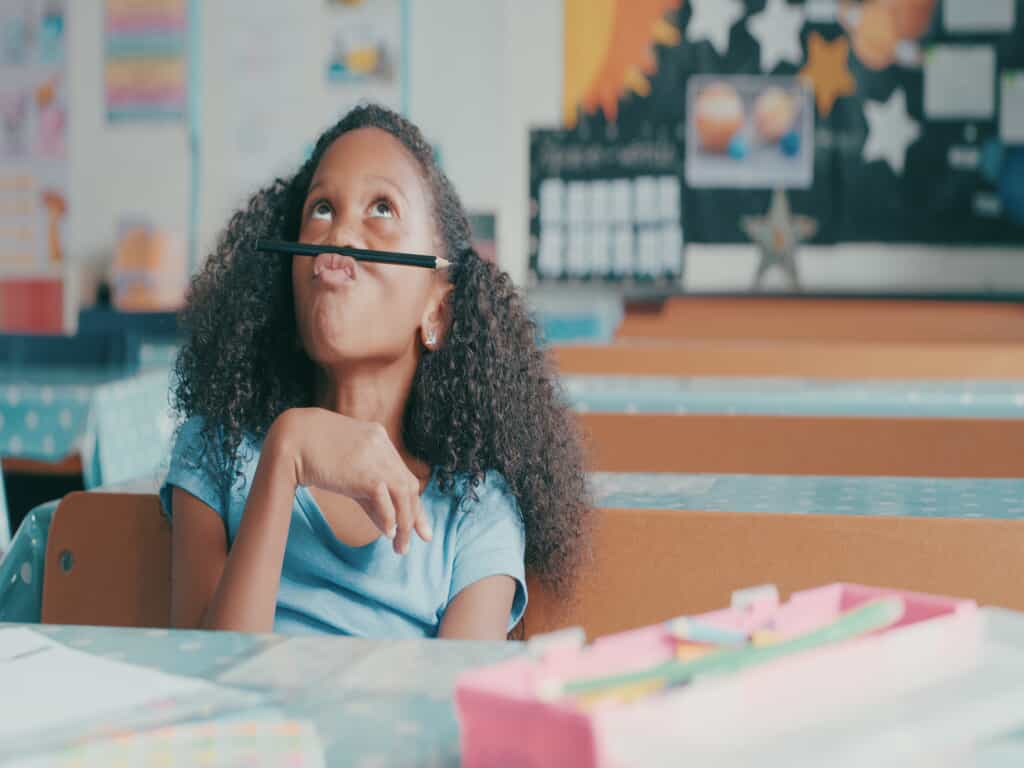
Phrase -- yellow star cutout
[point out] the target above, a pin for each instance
(827, 71)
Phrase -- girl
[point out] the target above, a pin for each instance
(369, 449)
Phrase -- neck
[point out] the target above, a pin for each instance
(372, 392)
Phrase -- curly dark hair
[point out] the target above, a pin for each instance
(487, 399)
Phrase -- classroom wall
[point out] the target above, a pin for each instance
(472, 89)
(481, 74)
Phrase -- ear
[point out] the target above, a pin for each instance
(436, 318)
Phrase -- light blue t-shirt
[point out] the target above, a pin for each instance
(328, 586)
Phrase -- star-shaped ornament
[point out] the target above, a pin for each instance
(778, 234)
(777, 31)
(712, 20)
(828, 71)
(890, 131)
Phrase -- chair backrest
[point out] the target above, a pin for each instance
(804, 445)
(651, 565)
(802, 318)
(108, 562)
(648, 565)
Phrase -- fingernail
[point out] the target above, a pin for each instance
(392, 531)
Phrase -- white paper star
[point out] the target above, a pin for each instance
(711, 20)
(777, 31)
(890, 131)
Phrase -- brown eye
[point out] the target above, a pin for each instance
(321, 211)
(382, 209)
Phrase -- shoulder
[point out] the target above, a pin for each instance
(487, 516)
(490, 538)
(198, 464)
(489, 498)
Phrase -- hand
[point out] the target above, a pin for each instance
(356, 459)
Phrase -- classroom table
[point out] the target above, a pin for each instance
(796, 397)
(117, 422)
(372, 703)
(390, 703)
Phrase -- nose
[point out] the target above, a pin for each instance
(347, 232)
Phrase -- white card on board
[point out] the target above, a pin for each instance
(959, 82)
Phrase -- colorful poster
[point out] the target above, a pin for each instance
(364, 56)
(33, 163)
(366, 42)
(145, 72)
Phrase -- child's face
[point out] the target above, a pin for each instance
(367, 192)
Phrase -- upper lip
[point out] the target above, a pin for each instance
(326, 261)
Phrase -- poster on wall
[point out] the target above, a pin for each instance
(33, 162)
(292, 71)
(145, 72)
(262, 137)
(364, 56)
(905, 117)
(603, 209)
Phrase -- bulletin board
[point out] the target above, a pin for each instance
(907, 114)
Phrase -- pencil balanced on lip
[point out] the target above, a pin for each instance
(359, 254)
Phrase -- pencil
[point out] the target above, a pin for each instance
(360, 254)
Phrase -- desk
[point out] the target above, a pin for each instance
(389, 703)
(373, 703)
(118, 424)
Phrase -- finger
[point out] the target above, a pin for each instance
(404, 517)
(422, 523)
(384, 511)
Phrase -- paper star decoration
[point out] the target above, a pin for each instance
(828, 71)
(778, 234)
(777, 31)
(711, 20)
(890, 131)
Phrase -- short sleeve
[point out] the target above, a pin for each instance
(192, 469)
(491, 542)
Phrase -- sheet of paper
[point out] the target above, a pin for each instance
(960, 82)
(978, 15)
(1011, 108)
(552, 194)
(622, 201)
(46, 686)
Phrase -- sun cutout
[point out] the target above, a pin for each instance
(609, 50)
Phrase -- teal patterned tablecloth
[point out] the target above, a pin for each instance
(796, 397)
(892, 496)
(120, 423)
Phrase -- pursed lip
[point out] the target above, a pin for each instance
(334, 267)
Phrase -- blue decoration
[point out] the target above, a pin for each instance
(991, 160)
(1011, 183)
(790, 144)
(738, 148)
